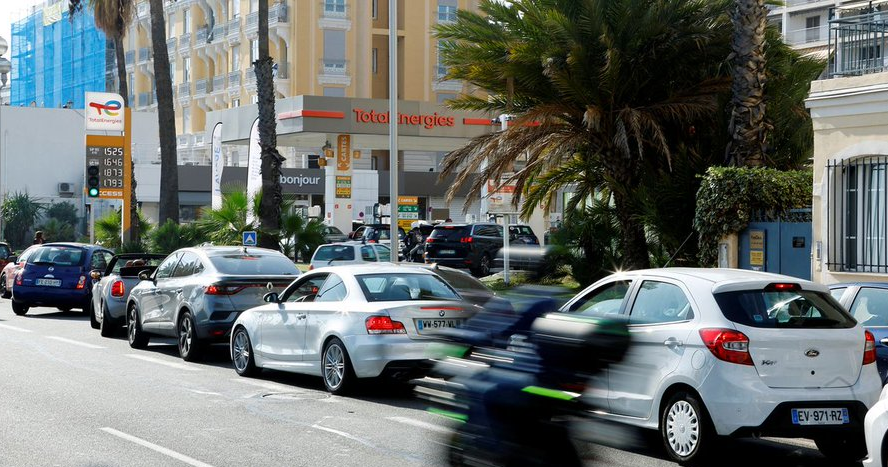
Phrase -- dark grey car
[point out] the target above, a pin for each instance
(196, 294)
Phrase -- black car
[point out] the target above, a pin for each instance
(472, 246)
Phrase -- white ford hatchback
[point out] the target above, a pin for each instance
(727, 352)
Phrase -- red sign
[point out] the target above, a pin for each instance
(427, 121)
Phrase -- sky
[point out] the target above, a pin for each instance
(11, 10)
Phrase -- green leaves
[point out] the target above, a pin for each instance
(20, 212)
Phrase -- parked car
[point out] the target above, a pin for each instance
(875, 427)
(728, 352)
(379, 233)
(472, 246)
(344, 323)
(111, 288)
(6, 255)
(7, 277)
(470, 289)
(522, 234)
(57, 274)
(868, 304)
(333, 234)
(195, 294)
(336, 254)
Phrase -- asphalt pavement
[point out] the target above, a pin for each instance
(69, 397)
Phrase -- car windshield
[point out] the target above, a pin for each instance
(147, 262)
(333, 231)
(462, 281)
(449, 233)
(384, 253)
(335, 253)
(798, 309)
(58, 256)
(254, 265)
(397, 287)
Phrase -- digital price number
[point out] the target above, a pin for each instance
(104, 172)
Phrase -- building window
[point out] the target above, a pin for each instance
(443, 97)
(254, 50)
(334, 7)
(186, 69)
(374, 60)
(171, 25)
(235, 59)
(254, 99)
(374, 9)
(235, 9)
(172, 71)
(235, 103)
(441, 69)
(186, 21)
(254, 6)
(857, 215)
(334, 52)
(446, 11)
(812, 29)
(186, 120)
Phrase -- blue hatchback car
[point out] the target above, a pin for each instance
(868, 303)
(57, 275)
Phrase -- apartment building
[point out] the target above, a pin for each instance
(336, 48)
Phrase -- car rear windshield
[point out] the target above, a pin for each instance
(449, 233)
(254, 265)
(335, 253)
(333, 230)
(800, 309)
(520, 230)
(58, 256)
(397, 287)
(462, 281)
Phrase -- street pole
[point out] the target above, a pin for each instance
(125, 232)
(393, 128)
(92, 223)
(504, 125)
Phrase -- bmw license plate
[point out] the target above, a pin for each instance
(427, 326)
(447, 252)
(49, 282)
(820, 417)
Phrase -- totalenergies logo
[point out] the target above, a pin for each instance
(110, 108)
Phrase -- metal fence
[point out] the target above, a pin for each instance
(857, 44)
(856, 212)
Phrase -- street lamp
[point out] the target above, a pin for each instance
(5, 66)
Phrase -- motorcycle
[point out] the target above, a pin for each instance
(511, 397)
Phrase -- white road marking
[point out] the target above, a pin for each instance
(14, 328)
(206, 393)
(343, 434)
(158, 361)
(420, 424)
(72, 341)
(264, 385)
(154, 447)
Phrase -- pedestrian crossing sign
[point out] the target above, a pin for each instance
(250, 238)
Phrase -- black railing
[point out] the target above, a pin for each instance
(857, 214)
(857, 44)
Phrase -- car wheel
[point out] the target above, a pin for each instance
(137, 338)
(842, 450)
(685, 429)
(189, 347)
(107, 327)
(483, 269)
(4, 291)
(19, 308)
(93, 321)
(242, 353)
(338, 374)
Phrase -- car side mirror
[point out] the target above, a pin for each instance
(271, 297)
(11, 258)
(95, 274)
(145, 276)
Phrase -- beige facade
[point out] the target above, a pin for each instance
(321, 47)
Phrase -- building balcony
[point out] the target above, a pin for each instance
(234, 82)
(184, 93)
(184, 141)
(334, 72)
(143, 11)
(250, 80)
(218, 86)
(130, 58)
(233, 32)
(857, 45)
(185, 44)
(146, 99)
(200, 37)
(252, 25)
(144, 55)
(201, 87)
(278, 22)
(171, 47)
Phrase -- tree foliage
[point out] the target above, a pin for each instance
(108, 231)
(20, 212)
(170, 236)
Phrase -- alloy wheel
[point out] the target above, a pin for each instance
(131, 325)
(334, 366)
(185, 336)
(682, 428)
(241, 351)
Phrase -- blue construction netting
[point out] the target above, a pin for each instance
(55, 61)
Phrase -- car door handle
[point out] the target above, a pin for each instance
(673, 342)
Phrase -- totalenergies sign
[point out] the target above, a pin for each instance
(427, 121)
(104, 111)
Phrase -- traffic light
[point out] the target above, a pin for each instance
(92, 181)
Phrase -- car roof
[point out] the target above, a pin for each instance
(878, 285)
(720, 276)
(372, 268)
(221, 250)
(71, 244)
(139, 255)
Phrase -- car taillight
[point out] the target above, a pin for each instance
(465, 240)
(869, 348)
(783, 287)
(18, 276)
(81, 283)
(222, 289)
(371, 241)
(727, 345)
(430, 240)
(117, 289)
(384, 325)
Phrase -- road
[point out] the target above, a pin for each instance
(69, 397)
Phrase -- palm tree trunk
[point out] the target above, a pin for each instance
(272, 196)
(747, 125)
(166, 117)
(122, 87)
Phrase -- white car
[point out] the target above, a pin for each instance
(349, 322)
(729, 352)
(338, 254)
(875, 427)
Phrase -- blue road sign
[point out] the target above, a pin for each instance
(250, 238)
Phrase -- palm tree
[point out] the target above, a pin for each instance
(170, 236)
(612, 82)
(225, 225)
(19, 212)
(270, 207)
(747, 126)
(300, 235)
(166, 116)
(108, 230)
(113, 17)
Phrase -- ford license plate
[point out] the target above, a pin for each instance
(427, 326)
(820, 417)
(49, 282)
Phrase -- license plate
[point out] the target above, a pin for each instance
(820, 417)
(425, 326)
(49, 282)
(447, 252)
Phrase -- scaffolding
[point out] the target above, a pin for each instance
(54, 60)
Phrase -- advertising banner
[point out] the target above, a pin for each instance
(104, 111)
(254, 170)
(343, 153)
(218, 166)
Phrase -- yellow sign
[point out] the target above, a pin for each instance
(356, 154)
(756, 239)
(343, 153)
(408, 200)
(343, 186)
(405, 223)
(756, 258)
